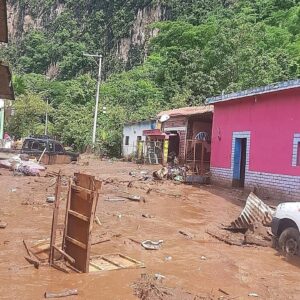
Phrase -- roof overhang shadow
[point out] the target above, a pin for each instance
(6, 88)
(3, 22)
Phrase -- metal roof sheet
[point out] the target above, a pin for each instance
(6, 89)
(3, 22)
(187, 111)
(275, 87)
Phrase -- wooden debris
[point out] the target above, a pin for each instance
(224, 239)
(147, 216)
(223, 292)
(100, 242)
(33, 261)
(27, 249)
(62, 294)
(186, 234)
(97, 221)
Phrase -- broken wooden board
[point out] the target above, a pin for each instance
(41, 249)
(80, 215)
(113, 262)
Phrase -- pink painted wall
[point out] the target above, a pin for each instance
(272, 119)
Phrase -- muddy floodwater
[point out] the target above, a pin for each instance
(197, 263)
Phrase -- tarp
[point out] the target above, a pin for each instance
(6, 89)
(3, 22)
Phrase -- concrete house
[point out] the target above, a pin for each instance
(184, 133)
(133, 133)
(256, 139)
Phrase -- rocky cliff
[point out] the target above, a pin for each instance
(131, 48)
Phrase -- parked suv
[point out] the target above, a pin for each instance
(285, 228)
(35, 146)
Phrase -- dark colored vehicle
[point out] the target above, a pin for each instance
(36, 145)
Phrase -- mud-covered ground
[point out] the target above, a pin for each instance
(200, 265)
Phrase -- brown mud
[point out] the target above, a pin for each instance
(196, 263)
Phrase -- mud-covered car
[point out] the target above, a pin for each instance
(285, 228)
(37, 145)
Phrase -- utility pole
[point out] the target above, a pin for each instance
(97, 94)
(46, 122)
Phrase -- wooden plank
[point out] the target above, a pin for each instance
(66, 215)
(55, 217)
(75, 242)
(78, 215)
(84, 181)
(67, 256)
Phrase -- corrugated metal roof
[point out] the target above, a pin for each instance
(254, 211)
(275, 87)
(188, 111)
(6, 89)
(3, 22)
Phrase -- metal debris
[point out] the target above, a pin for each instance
(255, 211)
(151, 245)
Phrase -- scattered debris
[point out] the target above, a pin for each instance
(97, 221)
(62, 294)
(136, 198)
(113, 262)
(159, 276)
(50, 199)
(33, 261)
(223, 292)
(203, 257)
(186, 234)
(150, 288)
(173, 173)
(101, 241)
(135, 241)
(114, 199)
(13, 190)
(152, 245)
(160, 174)
(3, 225)
(253, 295)
(168, 258)
(225, 238)
(147, 216)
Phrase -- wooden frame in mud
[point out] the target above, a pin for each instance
(80, 213)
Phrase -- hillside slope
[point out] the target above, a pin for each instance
(200, 48)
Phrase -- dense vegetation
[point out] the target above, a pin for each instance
(205, 47)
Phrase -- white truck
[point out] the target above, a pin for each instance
(285, 228)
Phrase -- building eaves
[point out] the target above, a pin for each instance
(187, 111)
(275, 87)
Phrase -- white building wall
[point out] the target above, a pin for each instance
(133, 131)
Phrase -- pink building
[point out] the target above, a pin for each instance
(256, 140)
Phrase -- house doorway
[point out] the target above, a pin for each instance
(239, 162)
(174, 142)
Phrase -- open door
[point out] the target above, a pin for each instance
(239, 162)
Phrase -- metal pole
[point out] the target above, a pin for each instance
(46, 123)
(97, 101)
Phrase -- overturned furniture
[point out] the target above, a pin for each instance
(81, 206)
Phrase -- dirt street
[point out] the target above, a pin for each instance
(200, 265)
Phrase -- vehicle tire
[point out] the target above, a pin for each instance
(289, 241)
